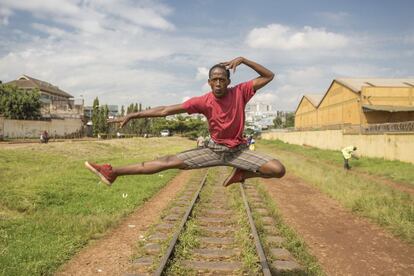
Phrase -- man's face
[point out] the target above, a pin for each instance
(218, 82)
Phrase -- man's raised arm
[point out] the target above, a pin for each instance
(160, 111)
(265, 74)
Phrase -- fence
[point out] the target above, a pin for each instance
(390, 146)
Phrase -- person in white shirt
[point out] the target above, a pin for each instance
(348, 153)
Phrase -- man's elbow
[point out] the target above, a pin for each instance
(164, 111)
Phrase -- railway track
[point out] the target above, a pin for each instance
(212, 230)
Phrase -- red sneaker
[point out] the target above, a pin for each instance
(103, 171)
(237, 175)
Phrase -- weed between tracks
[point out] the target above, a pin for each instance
(389, 208)
(188, 240)
(292, 242)
(243, 235)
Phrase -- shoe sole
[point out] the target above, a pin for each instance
(225, 182)
(92, 169)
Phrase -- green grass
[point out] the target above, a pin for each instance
(51, 206)
(388, 207)
(393, 170)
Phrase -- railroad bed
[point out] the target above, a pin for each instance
(212, 230)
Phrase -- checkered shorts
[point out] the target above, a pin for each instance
(218, 155)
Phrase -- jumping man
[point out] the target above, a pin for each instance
(224, 109)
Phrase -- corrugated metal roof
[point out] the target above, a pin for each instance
(356, 84)
(388, 108)
(314, 98)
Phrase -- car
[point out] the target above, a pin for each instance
(165, 132)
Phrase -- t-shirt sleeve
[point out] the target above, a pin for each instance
(247, 90)
(194, 105)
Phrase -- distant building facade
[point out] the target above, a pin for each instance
(55, 103)
(113, 112)
(357, 102)
(260, 115)
(62, 114)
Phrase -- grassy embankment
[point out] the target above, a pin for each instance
(388, 207)
(51, 206)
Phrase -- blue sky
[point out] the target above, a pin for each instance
(159, 52)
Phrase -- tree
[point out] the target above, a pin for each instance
(277, 122)
(20, 104)
(290, 119)
(104, 119)
(95, 117)
(122, 111)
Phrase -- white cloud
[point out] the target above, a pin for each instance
(360, 70)
(276, 36)
(94, 16)
(202, 73)
(334, 17)
(55, 7)
(4, 16)
(49, 30)
(206, 88)
(265, 97)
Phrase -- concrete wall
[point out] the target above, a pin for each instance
(390, 146)
(27, 129)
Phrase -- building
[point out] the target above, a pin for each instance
(260, 115)
(306, 115)
(357, 102)
(55, 103)
(62, 115)
(113, 111)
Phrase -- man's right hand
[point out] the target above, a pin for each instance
(123, 121)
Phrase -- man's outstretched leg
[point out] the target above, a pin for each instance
(271, 169)
(108, 174)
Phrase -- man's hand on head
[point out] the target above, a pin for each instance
(232, 64)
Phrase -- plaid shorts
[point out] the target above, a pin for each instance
(218, 155)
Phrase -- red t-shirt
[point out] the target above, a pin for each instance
(225, 115)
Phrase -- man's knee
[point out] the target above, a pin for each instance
(172, 161)
(273, 168)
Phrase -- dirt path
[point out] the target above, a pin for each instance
(111, 254)
(343, 243)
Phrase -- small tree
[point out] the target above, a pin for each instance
(290, 119)
(20, 104)
(95, 117)
(277, 122)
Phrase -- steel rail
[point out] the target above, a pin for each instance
(173, 242)
(259, 248)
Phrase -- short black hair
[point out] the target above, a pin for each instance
(219, 66)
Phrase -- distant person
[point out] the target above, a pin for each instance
(224, 109)
(348, 153)
(200, 142)
(44, 137)
(252, 145)
(249, 139)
